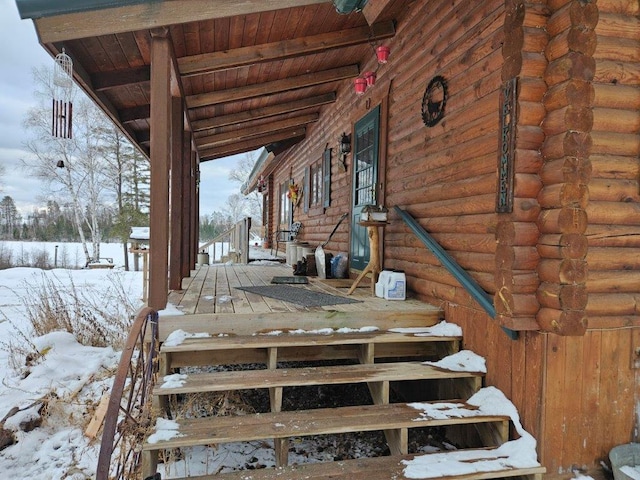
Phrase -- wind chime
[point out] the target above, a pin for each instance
(62, 89)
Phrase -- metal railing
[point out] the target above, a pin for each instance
(129, 413)
(460, 274)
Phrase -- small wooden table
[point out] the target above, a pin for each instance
(373, 266)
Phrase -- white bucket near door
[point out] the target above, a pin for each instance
(381, 284)
(396, 288)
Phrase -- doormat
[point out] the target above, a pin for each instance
(297, 295)
(296, 280)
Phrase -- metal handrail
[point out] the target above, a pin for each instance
(131, 388)
(460, 274)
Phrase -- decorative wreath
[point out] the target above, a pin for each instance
(294, 193)
(434, 101)
(262, 184)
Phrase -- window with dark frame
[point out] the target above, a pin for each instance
(285, 204)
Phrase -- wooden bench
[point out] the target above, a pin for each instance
(280, 426)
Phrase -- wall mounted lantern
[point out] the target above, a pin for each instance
(345, 144)
(360, 85)
(344, 148)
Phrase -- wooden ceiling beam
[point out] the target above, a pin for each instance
(264, 112)
(382, 10)
(151, 14)
(121, 78)
(267, 88)
(245, 56)
(133, 114)
(255, 131)
(251, 144)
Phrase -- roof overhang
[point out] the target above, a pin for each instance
(251, 74)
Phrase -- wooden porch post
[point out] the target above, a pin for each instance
(177, 198)
(187, 185)
(159, 181)
(195, 209)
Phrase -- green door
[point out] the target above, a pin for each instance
(365, 178)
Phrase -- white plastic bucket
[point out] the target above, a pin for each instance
(381, 284)
(396, 286)
(300, 251)
(292, 253)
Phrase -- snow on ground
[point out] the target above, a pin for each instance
(63, 381)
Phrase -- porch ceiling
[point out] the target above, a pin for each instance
(251, 73)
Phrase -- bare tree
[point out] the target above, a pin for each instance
(70, 168)
(128, 174)
(240, 174)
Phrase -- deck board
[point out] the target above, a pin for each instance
(214, 289)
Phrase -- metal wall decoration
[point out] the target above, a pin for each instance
(434, 101)
(62, 111)
(507, 145)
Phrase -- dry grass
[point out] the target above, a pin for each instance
(97, 321)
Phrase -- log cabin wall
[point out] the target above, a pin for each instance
(517, 233)
(590, 390)
(575, 200)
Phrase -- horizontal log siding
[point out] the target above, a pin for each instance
(590, 249)
(516, 255)
(614, 191)
(445, 175)
(566, 171)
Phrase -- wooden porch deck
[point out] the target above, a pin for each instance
(213, 289)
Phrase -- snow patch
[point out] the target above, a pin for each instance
(176, 337)
(462, 361)
(165, 430)
(520, 453)
(174, 381)
(442, 329)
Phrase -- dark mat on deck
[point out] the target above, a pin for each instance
(297, 280)
(298, 295)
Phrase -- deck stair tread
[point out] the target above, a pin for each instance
(304, 376)
(321, 421)
(251, 323)
(195, 344)
(377, 468)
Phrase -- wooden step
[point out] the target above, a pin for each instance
(199, 344)
(267, 348)
(250, 323)
(307, 376)
(378, 468)
(280, 426)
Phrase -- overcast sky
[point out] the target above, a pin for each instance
(19, 54)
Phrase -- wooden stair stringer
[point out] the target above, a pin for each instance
(379, 357)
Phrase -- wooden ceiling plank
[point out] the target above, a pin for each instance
(134, 114)
(255, 90)
(121, 78)
(255, 131)
(250, 144)
(264, 112)
(150, 15)
(244, 56)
